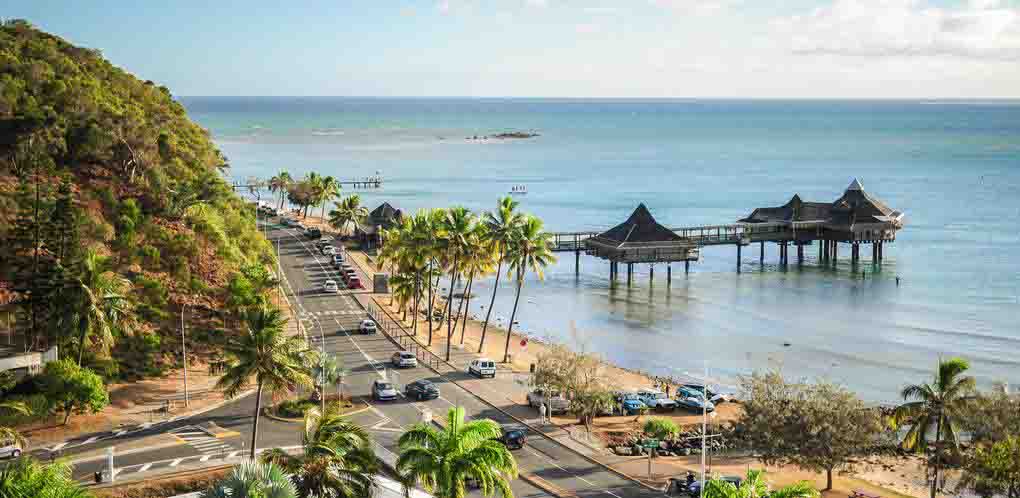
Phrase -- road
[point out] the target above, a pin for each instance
(332, 321)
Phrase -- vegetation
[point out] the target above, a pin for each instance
(338, 460)
(73, 389)
(253, 479)
(348, 213)
(529, 249)
(660, 428)
(994, 469)
(501, 228)
(819, 427)
(579, 376)
(113, 210)
(442, 461)
(936, 408)
(28, 478)
(266, 354)
(754, 486)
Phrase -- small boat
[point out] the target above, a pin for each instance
(519, 189)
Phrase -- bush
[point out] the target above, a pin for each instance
(294, 408)
(150, 256)
(73, 389)
(661, 428)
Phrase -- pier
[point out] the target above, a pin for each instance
(855, 219)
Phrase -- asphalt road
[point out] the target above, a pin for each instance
(332, 321)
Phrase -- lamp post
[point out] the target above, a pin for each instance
(184, 355)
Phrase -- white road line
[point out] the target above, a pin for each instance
(58, 446)
(145, 467)
(176, 462)
(91, 440)
(119, 433)
(611, 493)
(233, 454)
(205, 458)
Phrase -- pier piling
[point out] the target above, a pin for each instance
(630, 273)
(761, 253)
(577, 263)
(739, 247)
(669, 275)
(687, 267)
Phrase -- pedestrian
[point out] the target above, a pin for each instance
(897, 280)
(541, 413)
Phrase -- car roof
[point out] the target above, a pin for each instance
(483, 359)
(405, 353)
(330, 281)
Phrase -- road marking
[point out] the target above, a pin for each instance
(145, 467)
(119, 433)
(91, 440)
(58, 446)
(233, 454)
(205, 458)
(611, 493)
(176, 462)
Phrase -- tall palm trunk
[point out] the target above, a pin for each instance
(255, 425)
(510, 328)
(495, 286)
(938, 455)
(414, 310)
(449, 307)
(467, 307)
(84, 326)
(428, 323)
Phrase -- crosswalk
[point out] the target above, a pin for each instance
(204, 442)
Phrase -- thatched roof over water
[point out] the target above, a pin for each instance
(639, 227)
(855, 206)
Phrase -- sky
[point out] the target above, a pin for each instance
(554, 48)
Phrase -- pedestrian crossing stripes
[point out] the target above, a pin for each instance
(201, 440)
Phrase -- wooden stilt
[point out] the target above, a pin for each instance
(739, 247)
(577, 263)
(687, 267)
(651, 273)
(800, 254)
(761, 253)
(669, 275)
(630, 273)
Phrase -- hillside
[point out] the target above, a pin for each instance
(113, 213)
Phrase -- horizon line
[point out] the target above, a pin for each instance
(493, 97)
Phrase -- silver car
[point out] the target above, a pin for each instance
(10, 449)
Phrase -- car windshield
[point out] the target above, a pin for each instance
(406, 355)
(384, 385)
(631, 396)
(657, 395)
(486, 364)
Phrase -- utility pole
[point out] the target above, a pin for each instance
(184, 354)
(704, 424)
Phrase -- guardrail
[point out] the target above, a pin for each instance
(398, 334)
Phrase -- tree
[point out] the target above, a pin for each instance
(338, 460)
(252, 479)
(991, 417)
(939, 406)
(578, 375)
(26, 477)
(278, 185)
(455, 242)
(818, 427)
(348, 213)
(529, 250)
(9, 433)
(441, 461)
(502, 225)
(329, 370)
(266, 354)
(329, 189)
(754, 486)
(73, 389)
(993, 469)
(477, 262)
(95, 302)
(660, 428)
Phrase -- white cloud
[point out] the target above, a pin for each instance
(981, 29)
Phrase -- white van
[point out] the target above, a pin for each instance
(482, 367)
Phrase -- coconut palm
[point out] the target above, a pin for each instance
(441, 461)
(329, 370)
(252, 479)
(94, 302)
(529, 249)
(266, 354)
(501, 226)
(328, 191)
(477, 262)
(278, 184)
(348, 213)
(455, 241)
(939, 406)
(402, 288)
(337, 462)
(27, 477)
(755, 486)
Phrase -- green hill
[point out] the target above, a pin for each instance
(106, 184)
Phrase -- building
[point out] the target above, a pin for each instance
(381, 218)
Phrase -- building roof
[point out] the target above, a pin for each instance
(384, 215)
(853, 207)
(640, 227)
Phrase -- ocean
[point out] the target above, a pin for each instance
(952, 166)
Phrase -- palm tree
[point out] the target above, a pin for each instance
(501, 226)
(348, 213)
(402, 291)
(431, 245)
(278, 184)
(338, 460)
(529, 250)
(441, 461)
(9, 433)
(331, 371)
(477, 262)
(455, 241)
(27, 477)
(754, 486)
(329, 190)
(95, 302)
(252, 479)
(276, 361)
(937, 405)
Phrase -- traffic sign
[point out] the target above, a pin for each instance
(524, 343)
(650, 443)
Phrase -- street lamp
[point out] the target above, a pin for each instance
(184, 355)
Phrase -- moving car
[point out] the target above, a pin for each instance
(348, 273)
(482, 367)
(287, 222)
(421, 390)
(354, 283)
(713, 394)
(693, 400)
(328, 250)
(313, 233)
(367, 326)
(630, 403)
(331, 287)
(656, 399)
(338, 259)
(513, 439)
(383, 391)
(10, 449)
(554, 401)
(404, 359)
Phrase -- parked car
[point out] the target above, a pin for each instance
(482, 367)
(421, 390)
(713, 394)
(630, 403)
(338, 259)
(331, 287)
(383, 391)
(354, 283)
(287, 222)
(328, 250)
(693, 400)
(513, 439)
(10, 449)
(367, 326)
(656, 399)
(554, 401)
(313, 233)
(348, 273)
(404, 359)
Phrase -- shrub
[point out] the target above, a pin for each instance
(294, 408)
(660, 428)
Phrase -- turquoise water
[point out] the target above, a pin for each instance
(953, 167)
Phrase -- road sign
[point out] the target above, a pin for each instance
(650, 443)
(524, 343)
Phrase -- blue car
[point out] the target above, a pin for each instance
(631, 403)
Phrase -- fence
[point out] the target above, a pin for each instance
(396, 332)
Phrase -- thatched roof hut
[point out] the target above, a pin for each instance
(641, 239)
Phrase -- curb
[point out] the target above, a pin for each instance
(268, 414)
(544, 485)
(504, 412)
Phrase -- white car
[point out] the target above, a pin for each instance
(482, 367)
(10, 449)
(329, 250)
(331, 287)
(367, 326)
(656, 399)
(404, 359)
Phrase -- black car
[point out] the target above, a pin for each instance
(313, 233)
(513, 439)
(421, 390)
